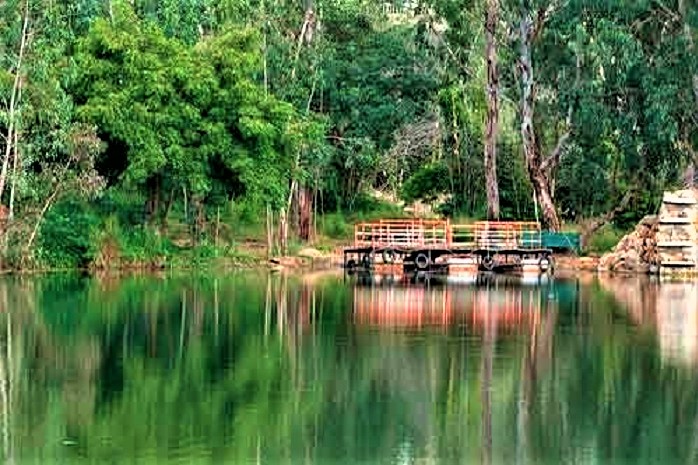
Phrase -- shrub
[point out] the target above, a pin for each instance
(427, 183)
(67, 236)
(142, 244)
(335, 226)
(603, 240)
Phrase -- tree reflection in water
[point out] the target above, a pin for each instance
(317, 369)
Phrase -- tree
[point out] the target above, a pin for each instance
(182, 112)
(630, 90)
(47, 154)
(377, 83)
(539, 167)
(491, 126)
(688, 32)
(130, 68)
(16, 75)
(690, 47)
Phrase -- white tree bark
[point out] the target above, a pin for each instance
(534, 162)
(690, 172)
(539, 168)
(691, 46)
(14, 101)
(492, 124)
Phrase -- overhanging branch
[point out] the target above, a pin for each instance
(542, 17)
(555, 156)
(553, 160)
(594, 224)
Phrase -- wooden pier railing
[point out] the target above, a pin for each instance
(402, 233)
(419, 233)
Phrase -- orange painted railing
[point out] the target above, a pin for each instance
(416, 233)
(402, 233)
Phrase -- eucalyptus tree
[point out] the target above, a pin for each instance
(47, 154)
(15, 76)
(492, 125)
(538, 165)
(476, 42)
(689, 32)
(606, 104)
(634, 111)
(459, 25)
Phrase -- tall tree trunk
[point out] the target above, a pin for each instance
(13, 183)
(200, 218)
(301, 215)
(491, 127)
(14, 100)
(538, 172)
(164, 218)
(690, 173)
(305, 212)
(689, 39)
(283, 231)
(270, 232)
(47, 204)
(42, 213)
(306, 33)
(152, 203)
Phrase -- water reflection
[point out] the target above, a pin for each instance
(257, 368)
(472, 302)
(670, 308)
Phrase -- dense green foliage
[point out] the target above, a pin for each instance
(158, 115)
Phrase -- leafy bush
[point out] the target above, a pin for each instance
(368, 207)
(67, 235)
(335, 226)
(143, 244)
(603, 240)
(125, 207)
(427, 183)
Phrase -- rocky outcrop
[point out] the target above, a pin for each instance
(636, 252)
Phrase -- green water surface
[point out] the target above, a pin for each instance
(250, 368)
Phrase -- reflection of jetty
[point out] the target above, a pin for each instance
(405, 304)
(436, 244)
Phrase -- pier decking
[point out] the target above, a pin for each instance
(438, 244)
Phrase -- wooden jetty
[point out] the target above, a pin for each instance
(439, 245)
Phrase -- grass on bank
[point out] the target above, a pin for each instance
(604, 240)
(111, 234)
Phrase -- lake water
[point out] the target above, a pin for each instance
(321, 369)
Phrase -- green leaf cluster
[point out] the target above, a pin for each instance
(176, 113)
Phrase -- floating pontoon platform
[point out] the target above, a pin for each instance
(432, 245)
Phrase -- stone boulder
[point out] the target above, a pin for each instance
(636, 252)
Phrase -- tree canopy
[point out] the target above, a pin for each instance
(266, 104)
